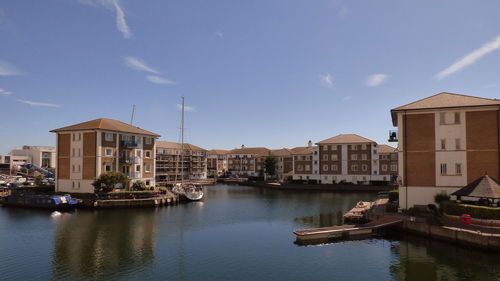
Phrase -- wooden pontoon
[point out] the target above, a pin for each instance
(341, 231)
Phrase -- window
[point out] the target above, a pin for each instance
(334, 147)
(73, 152)
(442, 118)
(108, 152)
(443, 144)
(147, 167)
(325, 157)
(138, 153)
(138, 168)
(107, 167)
(457, 117)
(335, 157)
(354, 147)
(384, 167)
(315, 162)
(149, 140)
(126, 138)
(354, 157)
(325, 147)
(148, 154)
(330, 147)
(443, 169)
(457, 144)
(364, 157)
(394, 168)
(364, 167)
(108, 137)
(335, 167)
(308, 167)
(299, 167)
(325, 168)
(458, 169)
(394, 156)
(73, 168)
(363, 146)
(354, 168)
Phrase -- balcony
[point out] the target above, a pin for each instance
(134, 175)
(129, 144)
(129, 160)
(393, 136)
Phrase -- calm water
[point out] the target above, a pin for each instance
(236, 233)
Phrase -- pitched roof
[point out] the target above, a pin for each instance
(218, 151)
(250, 150)
(301, 150)
(444, 100)
(281, 152)
(345, 138)
(176, 145)
(384, 148)
(106, 124)
(484, 187)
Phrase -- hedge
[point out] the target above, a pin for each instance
(478, 212)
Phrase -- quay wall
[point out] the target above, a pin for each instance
(322, 187)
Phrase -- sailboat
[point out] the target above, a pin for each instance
(186, 191)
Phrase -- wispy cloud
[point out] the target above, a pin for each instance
(219, 33)
(113, 5)
(7, 69)
(138, 64)
(160, 80)
(186, 108)
(36, 103)
(469, 59)
(375, 80)
(326, 80)
(5, 93)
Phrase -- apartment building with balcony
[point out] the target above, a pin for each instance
(88, 149)
(445, 142)
(303, 163)
(247, 161)
(217, 162)
(388, 162)
(176, 162)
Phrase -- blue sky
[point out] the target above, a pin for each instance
(272, 73)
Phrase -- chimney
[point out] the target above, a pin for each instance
(242, 146)
(309, 143)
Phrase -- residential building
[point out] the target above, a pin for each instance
(445, 142)
(43, 156)
(388, 162)
(175, 162)
(247, 161)
(217, 162)
(284, 162)
(303, 163)
(88, 149)
(348, 158)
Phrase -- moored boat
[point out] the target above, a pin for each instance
(44, 201)
(188, 191)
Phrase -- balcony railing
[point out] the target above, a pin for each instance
(129, 144)
(129, 160)
(134, 175)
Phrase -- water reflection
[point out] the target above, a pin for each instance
(94, 244)
(321, 220)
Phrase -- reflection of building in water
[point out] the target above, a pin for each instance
(321, 220)
(423, 259)
(93, 244)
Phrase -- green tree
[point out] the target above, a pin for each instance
(139, 185)
(110, 180)
(270, 165)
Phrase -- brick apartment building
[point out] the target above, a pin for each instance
(175, 162)
(88, 149)
(247, 161)
(217, 162)
(445, 142)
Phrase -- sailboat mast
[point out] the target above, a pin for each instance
(182, 141)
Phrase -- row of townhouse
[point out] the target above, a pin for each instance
(175, 162)
(446, 141)
(345, 158)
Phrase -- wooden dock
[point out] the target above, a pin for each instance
(343, 231)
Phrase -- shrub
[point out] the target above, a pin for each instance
(393, 195)
(478, 212)
(139, 185)
(110, 180)
(441, 197)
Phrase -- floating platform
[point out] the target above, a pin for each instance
(343, 231)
